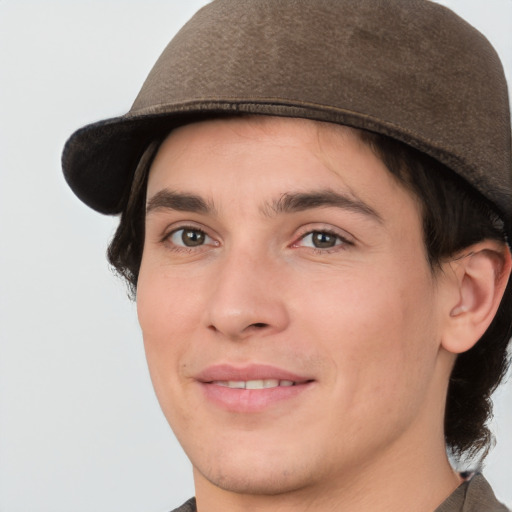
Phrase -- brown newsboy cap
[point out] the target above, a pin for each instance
(409, 69)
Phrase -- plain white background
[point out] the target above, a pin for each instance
(80, 428)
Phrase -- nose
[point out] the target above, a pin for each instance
(246, 299)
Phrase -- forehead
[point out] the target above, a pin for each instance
(246, 158)
(232, 134)
(297, 132)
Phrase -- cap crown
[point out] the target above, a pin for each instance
(409, 69)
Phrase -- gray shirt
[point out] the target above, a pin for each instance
(474, 495)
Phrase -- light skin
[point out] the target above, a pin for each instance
(283, 249)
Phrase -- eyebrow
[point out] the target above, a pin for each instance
(184, 202)
(301, 201)
(289, 202)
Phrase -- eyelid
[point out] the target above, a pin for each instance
(192, 226)
(324, 228)
(183, 224)
(345, 238)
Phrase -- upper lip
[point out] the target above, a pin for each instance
(228, 372)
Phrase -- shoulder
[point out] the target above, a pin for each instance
(474, 495)
(188, 506)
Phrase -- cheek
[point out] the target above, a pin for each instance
(167, 304)
(167, 317)
(378, 330)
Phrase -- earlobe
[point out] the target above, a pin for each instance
(480, 273)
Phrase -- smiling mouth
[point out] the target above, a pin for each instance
(251, 389)
(254, 384)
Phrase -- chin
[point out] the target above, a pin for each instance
(261, 482)
(255, 473)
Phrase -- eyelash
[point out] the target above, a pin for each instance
(167, 239)
(340, 244)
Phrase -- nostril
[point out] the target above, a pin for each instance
(259, 325)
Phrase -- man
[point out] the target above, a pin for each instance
(315, 205)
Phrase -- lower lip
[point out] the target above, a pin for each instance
(251, 400)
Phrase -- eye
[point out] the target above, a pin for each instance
(189, 237)
(322, 240)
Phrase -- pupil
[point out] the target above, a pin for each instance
(323, 240)
(192, 238)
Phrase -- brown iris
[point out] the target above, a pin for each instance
(192, 237)
(323, 240)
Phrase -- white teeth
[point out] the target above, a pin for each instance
(261, 384)
(254, 384)
(236, 384)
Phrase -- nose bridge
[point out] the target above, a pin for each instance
(245, 298)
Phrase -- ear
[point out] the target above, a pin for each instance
(478, 278)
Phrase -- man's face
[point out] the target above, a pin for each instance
(282, 252)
